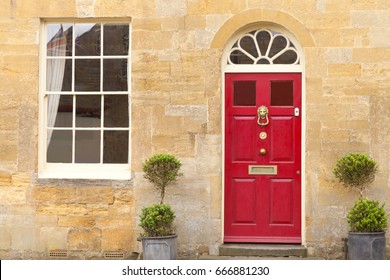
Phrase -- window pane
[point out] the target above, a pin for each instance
(87, 40)
(116, 111)
(60, 148)
(116, 39)
(244, 93)
(278, 45)
(282, 93)
(87, 75)
(115, 75)
(57, 76)
(87, 146)
(59, 39)
(116, 147)
(88, 110)
(288, 57)
(59, 110)
(263, 38)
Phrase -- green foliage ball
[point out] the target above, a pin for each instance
(356, 170)
(367, 216)
(157, 220)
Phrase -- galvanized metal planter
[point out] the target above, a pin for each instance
(159, 248)
(366, 246)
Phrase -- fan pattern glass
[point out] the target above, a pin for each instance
(263, 47)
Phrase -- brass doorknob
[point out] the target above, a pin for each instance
(263, 151)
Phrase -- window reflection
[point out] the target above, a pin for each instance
(116, 111)
(60, 148)
(88, 110)
(87, 76)
(115, 74)
(87, 39)
(116, 147)
(116, 39)
(87, 146)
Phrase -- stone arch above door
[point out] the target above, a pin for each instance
(261, 17)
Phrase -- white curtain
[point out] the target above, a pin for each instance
(55, 69)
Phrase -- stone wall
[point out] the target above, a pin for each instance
(177, 47)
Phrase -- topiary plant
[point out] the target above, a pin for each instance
(157, 220)
(367, 216)
(161, 170)
(356, 171)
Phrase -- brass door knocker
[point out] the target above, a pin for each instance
(262, 113)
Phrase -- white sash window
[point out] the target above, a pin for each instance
(85, 100)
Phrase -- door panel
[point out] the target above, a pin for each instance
(262, 162)
(242, 129)
(244, 190)
(282, 140)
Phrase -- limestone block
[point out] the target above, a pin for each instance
(152, 40)
(21, 179)
(24, 237)
(379, 37)
(52, 194)
(95, 195)
(215, 7)
(76, 221)
(123, 196)
(330, 20)
(8, 147)
(42, 8)
(214, 22)
(151, 69)
(334, 135)
(120, 8)
(364, 18)
(185, 98)
(5, 177)
(62, 209)
(370, 55)
(152, 24)
(118, 239)
(85, 8)
(173, 23)
(111, 222)
(183, 40)
(215, 197)
(203, 39)
(208, 151)
(196, 112)
(5, 240)
(166, 8)
(120, 210)
(339, 55)
(85, 239)
(330, 37)
(343, 70)
(180, 145)
(169, 55)
(53, 238)
(194, 22)
(98, 210)
(354, 37)
(360, 111)
(12, 195)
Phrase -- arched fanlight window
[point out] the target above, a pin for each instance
(263, 47)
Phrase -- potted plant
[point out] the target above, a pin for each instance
(159, 242)
(367, 219)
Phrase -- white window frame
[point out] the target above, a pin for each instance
(78, 170)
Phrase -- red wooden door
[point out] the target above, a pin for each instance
(263, 161)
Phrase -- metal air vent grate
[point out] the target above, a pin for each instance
(58, 254)
(114, 255)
